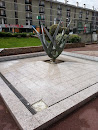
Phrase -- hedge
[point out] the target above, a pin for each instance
(74, 38)
(8, 34)
(5, 34)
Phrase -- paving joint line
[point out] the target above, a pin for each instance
(74, 94)
(20, 97)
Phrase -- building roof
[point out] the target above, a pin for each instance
(61, 3)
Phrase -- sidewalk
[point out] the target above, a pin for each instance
(85, 118)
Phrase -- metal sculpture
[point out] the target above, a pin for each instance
(52, 48)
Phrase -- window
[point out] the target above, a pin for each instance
(16, 21)
(41, 3)
(59, 7)
(2, 12)
(75, 13)
(26, 22)
(28, 2)
(28, 15)
(3, 21)
(15, 6)
(29, 22)
(87, 13)
(59, 12)
(80, 15)
(42, 17)
(68, 9)
(68, 14)
(28, 8)
(41, 10)
(16, 14)
(2, 4)
(0, 21)
(15, 0)
(67, 20)
(74, 22)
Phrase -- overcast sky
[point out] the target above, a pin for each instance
(89, 3)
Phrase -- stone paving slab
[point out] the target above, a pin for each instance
(62, 87)
(90, 53)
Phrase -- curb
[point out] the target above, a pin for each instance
(21, 56)
(92, 58)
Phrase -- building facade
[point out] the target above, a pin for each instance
(21, 15)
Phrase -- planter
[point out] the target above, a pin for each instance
(24, 50)
(74, 45)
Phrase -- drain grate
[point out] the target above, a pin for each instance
(21, 98)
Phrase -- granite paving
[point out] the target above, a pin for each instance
(90, 53)
(59, 86)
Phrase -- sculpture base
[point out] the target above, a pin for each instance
(56, 61)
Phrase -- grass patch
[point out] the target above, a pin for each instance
(12, 42)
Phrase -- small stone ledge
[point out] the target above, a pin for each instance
(82, 56)
(21, 56)
(33, 49)
(22, 50)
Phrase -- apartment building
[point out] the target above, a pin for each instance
(21, 15)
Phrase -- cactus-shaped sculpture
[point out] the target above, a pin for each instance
(52, 48)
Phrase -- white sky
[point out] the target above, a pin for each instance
(89, 3)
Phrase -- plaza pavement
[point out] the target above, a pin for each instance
(51, 90)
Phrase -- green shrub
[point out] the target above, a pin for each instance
(23, 34)
(31, 34)
(65, 29)
(74, 38)
(58, 37)
(53, 28)
(20, 35)
(5, 34)
(17, 34)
